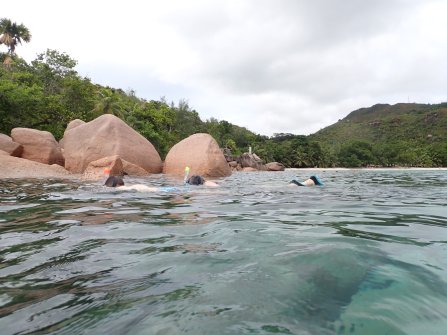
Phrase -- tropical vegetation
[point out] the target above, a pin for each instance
(48, 93)
(13, 34)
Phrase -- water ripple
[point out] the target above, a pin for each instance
(365, 254)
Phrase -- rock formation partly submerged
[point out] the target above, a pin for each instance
(14, 167)
(106, 136)
(201, 153)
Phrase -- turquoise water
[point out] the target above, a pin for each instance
(365, 254)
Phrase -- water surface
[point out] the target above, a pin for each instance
(365, 254)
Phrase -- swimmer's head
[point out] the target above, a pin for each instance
(195, 180)
(316, 180)
(114, 181)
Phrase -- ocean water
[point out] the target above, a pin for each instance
(364, 254)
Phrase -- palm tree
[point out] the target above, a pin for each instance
(13, 34)
(108, 103)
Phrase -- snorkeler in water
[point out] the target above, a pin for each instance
(197, 179)
(312, 181)
(116, 181)
(112, 181)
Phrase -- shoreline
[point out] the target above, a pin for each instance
(370, 169)
(19, 168)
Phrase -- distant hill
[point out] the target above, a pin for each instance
(383, 123)
(403, 134)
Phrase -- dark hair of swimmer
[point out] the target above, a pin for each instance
(195, 180)
(114, 181)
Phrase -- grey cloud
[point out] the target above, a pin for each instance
(285, 44)
(268, 65)
(320, 52)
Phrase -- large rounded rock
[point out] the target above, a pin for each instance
(133, 170)
(251, 160)
(14, 167)
(95, 169)
(201, 153)
(39, 146)
(249, 169)
(275, 166)
(117, 167)
(105, 136)
(71, 125)
(9, 146)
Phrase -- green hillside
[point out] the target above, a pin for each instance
(399, 133)
(384, 123)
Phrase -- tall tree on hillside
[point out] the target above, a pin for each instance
(109, 102)
(12, 34)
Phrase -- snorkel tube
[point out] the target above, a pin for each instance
(185, 180)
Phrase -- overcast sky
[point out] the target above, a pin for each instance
(292, 66)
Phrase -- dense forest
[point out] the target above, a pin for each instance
(404, 134)
(48, 93)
